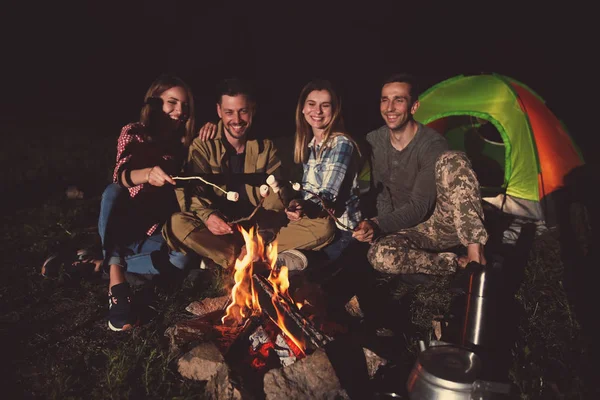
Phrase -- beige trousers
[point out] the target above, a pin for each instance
(186, 233)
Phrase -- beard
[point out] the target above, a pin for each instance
(237, 134)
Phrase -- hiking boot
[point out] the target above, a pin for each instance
(294, 260)
(120, 312)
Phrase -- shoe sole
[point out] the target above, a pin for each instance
(125, 327)
(51, 266)
(299, 256)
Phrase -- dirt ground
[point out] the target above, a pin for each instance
(55, 341)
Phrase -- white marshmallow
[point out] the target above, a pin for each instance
(264, 190)
(233, 196)
(271, 181)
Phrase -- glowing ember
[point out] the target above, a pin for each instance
(244, 299)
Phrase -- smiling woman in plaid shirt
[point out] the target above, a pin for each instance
(134, 207)
(329, 157)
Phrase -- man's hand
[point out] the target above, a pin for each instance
(217, 226)
(294, 210)
(475, 253)
(208, 131)
(157, 177)
(365, 231)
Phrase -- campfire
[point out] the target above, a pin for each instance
(261, 289)
(258, 338)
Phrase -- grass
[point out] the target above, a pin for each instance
(53, 334)
(54, 330)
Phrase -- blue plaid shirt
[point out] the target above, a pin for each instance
(333, 176)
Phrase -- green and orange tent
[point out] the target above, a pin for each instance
(532, 150)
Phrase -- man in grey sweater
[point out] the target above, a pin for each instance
(428, 199)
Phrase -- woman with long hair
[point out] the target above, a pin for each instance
(330, 162)
(141, 197)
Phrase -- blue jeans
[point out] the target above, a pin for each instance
(341, 240)
(124, 244)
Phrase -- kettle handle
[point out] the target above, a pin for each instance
(494, 387)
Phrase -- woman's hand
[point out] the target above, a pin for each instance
(208, 131)
(294, 210)
(157, 177)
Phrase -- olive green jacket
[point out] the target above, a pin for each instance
(209, 160)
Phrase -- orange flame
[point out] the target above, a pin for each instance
(244, 299)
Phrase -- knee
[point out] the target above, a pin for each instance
(452, 159)
(112, 192)
(452, 166)
(182, 260)
(329, 231)
(323, 233)
(372, 254)
(178, 226)
(384, 254)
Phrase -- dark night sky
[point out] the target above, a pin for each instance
(81, 63)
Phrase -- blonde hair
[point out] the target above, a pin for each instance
(304, 133)
(162, 83)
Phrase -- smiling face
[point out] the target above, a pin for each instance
(236, 113)
(396, 106)
(317, 109)
(175, 105)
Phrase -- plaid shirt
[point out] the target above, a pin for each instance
(333, 176)
(136, 151)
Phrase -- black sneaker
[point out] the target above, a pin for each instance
(120, 312)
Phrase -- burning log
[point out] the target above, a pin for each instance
(284, 313)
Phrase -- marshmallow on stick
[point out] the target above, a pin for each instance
(264, 190)
(231, 196)
(272, 182)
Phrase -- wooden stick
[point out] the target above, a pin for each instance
(188, 178)
(322, 201)
(231, 196)
(248, 218)
(301, 326)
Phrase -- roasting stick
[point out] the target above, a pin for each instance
(249, 217)
(298, 187)
(272, 181)
(231, 196)
(264, 192)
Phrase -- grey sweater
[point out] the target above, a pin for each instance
(404, 180)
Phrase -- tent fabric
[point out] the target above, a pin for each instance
(556, 152)
(538, 152)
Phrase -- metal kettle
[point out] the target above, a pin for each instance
(450, 372)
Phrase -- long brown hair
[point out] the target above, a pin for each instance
(304, 132)
(162, 83)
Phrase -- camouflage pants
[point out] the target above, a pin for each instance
(457, 219)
